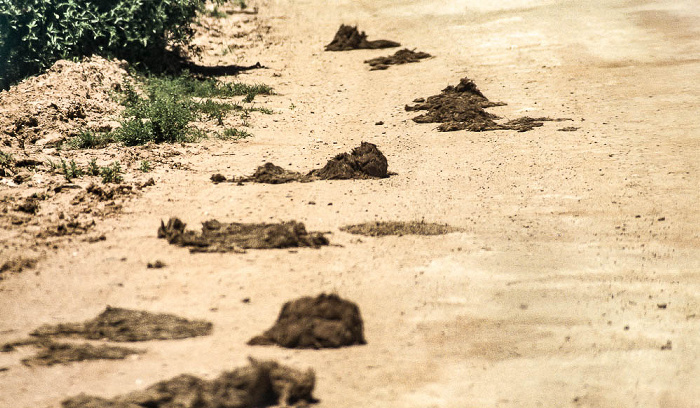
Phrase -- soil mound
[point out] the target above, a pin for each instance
(348, 38)
(52, 353)
(364, 162)
(462, 107)
(383, 228)
(262, 383)
(237, 237)
(68, 97)
(117, 324)
(404, 56)
(326, 321)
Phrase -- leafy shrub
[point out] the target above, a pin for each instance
(36, 33)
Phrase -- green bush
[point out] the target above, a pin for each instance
(36, 33)
(159, 118)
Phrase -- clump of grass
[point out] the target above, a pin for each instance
(233, 134)
(87, 139)
(188, 85)
(217, 110)
(111, 173)
(215, 13)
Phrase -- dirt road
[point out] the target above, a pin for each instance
(575, 281)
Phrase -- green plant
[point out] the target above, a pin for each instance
(6, 160)
(215, 13)
(87, 139)
(241, 3)
(187, 85)
(93, 169)
(145, 166)
(233, 134)
(160, 118)
(70, 170)
(111, 173)
(36, 33)
(217, 110)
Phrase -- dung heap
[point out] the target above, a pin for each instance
(404, 56)
(383, 228)
(51, 353)
(348, 38)
(118, 324)
(260, 384)
(237, 237)
(326, 321)
(462, 107)
(364, 162)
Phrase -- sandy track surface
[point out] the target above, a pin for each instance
(576, 280)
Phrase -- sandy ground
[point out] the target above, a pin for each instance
(573, 242)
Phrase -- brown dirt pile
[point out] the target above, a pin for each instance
(383, 228)
(326, 321)
(348, 38)
(237, 237)
(71, 95)
(52, 353)
(404, 56)
(260, 384)
(117, 324)
(462, 107)
(364, 162)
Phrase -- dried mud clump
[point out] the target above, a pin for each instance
(260, 384)
(237, 237)
(52, 353)
(326, 321)
(364, 162)
(384, 228)
(404, 56)
(117, 324)
(462, 107)
(348, 38)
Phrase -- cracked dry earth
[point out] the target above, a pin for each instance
(573, 276)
